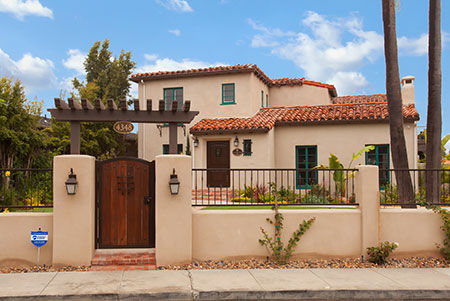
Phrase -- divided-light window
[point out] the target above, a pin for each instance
(166, 149)
(228, 95)
(171, 95)
(247, 147)
(305, 160)
(380, 157)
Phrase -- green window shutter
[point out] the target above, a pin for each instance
(262, 99)
(267, 100)
(228, 94)
(306, 158)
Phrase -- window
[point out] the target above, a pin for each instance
(171, 95)
(306, 158)
(267, 100)
(262, 99)
(166, 149)
(380, 157)
(228, 94)
(247, 147)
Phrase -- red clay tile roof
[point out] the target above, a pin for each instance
(359, 98)
(231, 69)
(267, 118)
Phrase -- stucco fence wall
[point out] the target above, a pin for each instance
(15, 235)
(219, 234)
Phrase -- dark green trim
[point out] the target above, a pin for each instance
(313, 164)
(267, 100)
(166, 149)
(173, 97)
(246, 152)
(377, 161)
(262, 99)
(234, 95)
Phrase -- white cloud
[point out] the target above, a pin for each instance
(415, 47)
(175, 32)
(75, 61)
(20, 8)
(176, 5)
(333, 51)
(166, 64)
(151, 57)
(34, 72)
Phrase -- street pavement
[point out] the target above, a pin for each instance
(389, 284)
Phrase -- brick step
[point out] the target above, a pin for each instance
(141, 267)
(124, 259)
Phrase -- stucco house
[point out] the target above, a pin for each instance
(248, 120)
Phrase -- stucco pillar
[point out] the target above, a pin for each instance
(73, 215)
(173, 213)
(367, 190)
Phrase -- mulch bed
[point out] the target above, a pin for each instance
(406, 262)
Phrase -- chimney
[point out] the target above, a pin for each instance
(408, 90)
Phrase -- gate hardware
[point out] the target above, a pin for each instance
(147, 200)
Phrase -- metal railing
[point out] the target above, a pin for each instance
(26, 188)
(389, 195)
(244, 187)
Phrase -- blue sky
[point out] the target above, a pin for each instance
(43, 43)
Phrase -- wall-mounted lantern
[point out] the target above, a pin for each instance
(195, 141)
(236, 141)
(71, 183)
(174, 184)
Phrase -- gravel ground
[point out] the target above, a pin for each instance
(407, 262)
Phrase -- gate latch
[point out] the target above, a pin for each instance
(147, 200)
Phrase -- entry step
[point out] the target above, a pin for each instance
(136, 259)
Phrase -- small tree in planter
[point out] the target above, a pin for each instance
(274, 245)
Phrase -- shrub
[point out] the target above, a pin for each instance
(378, 255)
(274, 245)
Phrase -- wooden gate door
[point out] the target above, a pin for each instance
(125, 203)
(218, 156)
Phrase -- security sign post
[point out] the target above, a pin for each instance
(39, 238)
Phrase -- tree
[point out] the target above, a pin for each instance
(434, 117)
(21, 141)
(395, 106)
(106, 78)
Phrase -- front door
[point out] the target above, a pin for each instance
(125, 203)
(218, 156)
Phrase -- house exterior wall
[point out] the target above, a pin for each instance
(298, 96)
(340, 139)
(205, 94)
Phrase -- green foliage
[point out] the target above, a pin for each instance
(22, 143)
(378, 255)
(106, 77)
(188, 146)
(445, 216)
(274, 245)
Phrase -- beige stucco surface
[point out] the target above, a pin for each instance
(340, 139)
(74, 215)
(228, 233)
(416, 230)
(173, 212)
(15, 237)
(298, 96)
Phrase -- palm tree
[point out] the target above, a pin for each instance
(434, 117)
(395, 106)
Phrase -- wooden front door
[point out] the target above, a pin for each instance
(218, 156)
(125, 203)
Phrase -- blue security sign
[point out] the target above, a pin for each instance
(39, 238)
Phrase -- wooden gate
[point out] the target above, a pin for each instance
(125, 203)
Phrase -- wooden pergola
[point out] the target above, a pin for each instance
(76, 112)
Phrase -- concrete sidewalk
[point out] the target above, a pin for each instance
(230, 284)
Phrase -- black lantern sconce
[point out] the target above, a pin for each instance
(71, 183)
(174, 184)
(195, 141)
(236, 141)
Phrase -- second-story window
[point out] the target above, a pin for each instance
(171, 95)
(228, 96)
(262, 99)
(267, 100)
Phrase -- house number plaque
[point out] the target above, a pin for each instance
(123, 127)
